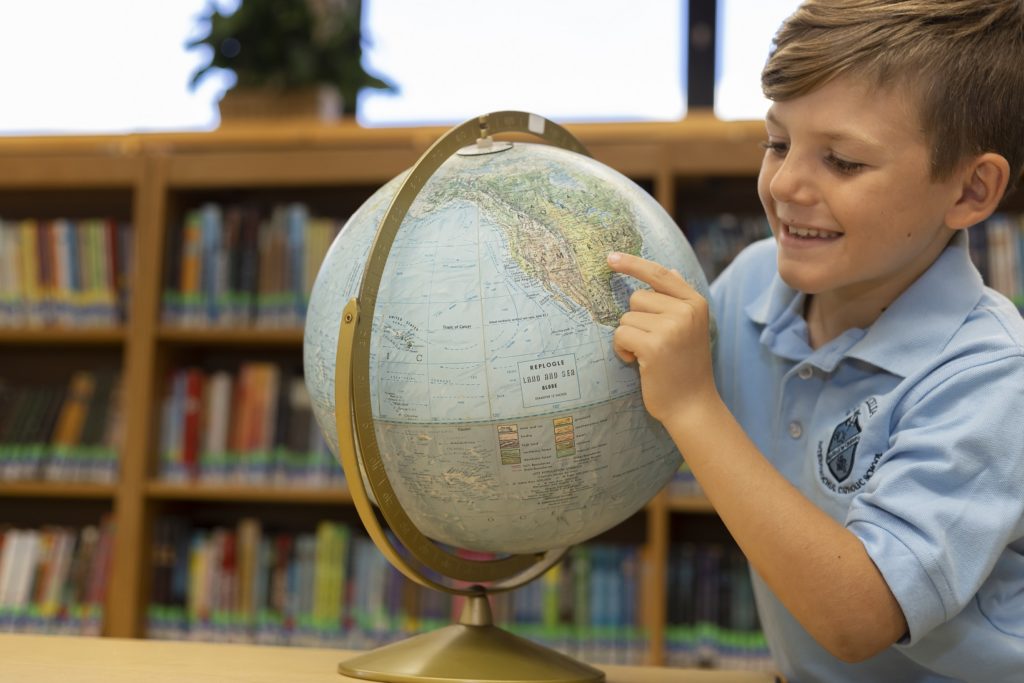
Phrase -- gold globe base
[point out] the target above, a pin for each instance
(472, 651)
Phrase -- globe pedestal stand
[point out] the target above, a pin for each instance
(471, 651)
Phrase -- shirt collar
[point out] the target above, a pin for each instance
(922, 320)
(916, 326)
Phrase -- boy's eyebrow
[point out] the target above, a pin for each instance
(839, 135)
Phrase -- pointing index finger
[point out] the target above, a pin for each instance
(658, 277)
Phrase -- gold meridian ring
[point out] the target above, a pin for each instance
(353, 405)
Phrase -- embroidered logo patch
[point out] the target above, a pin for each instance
(842, 447)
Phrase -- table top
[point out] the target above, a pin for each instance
(49, 659)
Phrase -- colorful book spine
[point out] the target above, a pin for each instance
(54, 579)
(252, 425)
(331, 587)
(62, 431)
(242, 265)
(62, 272)
(997, 248)
(211, 277)
(712, 621)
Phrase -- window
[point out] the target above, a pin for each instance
(570, 60)
(111, 66)
(104, 66)
(744, 36)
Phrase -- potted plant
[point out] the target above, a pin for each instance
(288, 56)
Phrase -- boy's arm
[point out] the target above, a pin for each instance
(816, 567)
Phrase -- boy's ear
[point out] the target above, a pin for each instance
(984, 181)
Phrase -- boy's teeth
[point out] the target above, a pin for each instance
(808, 232)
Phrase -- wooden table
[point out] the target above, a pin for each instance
(67, 659)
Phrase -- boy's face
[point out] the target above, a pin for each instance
(845, 183)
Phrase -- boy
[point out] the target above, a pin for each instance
(860, 435)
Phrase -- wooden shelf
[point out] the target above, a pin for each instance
(56, 489)
(62, 336)
(246, 337)
(294, 495)
(695, 504)
(65, 167)
(348, 134)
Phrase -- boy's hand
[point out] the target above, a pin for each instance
(666, 331)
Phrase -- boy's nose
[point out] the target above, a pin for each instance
(793, 182)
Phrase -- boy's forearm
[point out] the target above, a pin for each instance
(817, 568)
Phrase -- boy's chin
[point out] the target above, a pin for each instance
(800, 282)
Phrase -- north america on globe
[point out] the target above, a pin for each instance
(505, 421)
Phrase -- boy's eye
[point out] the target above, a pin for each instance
(842, 165)
(775, 147)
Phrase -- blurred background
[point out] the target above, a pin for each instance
(119, 66)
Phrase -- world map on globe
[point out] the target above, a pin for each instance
(504, 419)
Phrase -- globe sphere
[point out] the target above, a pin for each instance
(505, 421)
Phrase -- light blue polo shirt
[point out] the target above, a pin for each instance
(910, 434)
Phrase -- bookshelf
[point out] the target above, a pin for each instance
(694, 168)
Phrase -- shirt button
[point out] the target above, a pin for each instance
(796, 430)
(805, 372)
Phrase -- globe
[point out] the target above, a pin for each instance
(505, 421)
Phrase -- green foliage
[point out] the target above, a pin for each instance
(268, 43)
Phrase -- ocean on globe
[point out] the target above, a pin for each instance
(504, 419)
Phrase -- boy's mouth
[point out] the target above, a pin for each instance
(810, 233)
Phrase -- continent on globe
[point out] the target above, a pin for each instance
(558, 238)
(504, 419)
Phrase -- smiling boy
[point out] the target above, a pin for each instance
(859, 432)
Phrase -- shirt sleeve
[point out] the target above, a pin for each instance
(949, 495)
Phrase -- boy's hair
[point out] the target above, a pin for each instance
(963, 59)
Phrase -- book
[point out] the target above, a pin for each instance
(244, 264)
(191, 420)
(249, 263)
(60, 568)
(47, 266)
(218, 425)
(94, 426)
(11, 277)
(69, 427)
(211, 279)
(297, 223)
(190, 277)
(171, 296)
(12, 549)
(249, 535)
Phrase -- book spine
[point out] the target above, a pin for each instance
(298, 238)
(191, 419)
(11, 294)
(190, 287)
(218, 421)
(211, 226)
(30, 270)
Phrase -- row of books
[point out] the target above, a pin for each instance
(717, 239)
(711, 617)
(54, 579)
(333, 588)
(239, 265)
(64, 272)
(62, 431)
(997, 248)
(251, 426)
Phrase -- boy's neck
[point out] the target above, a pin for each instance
(825, 322)
(830, 313)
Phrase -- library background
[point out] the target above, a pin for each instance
(160, 473)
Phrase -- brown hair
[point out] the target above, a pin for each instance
(964, 59)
